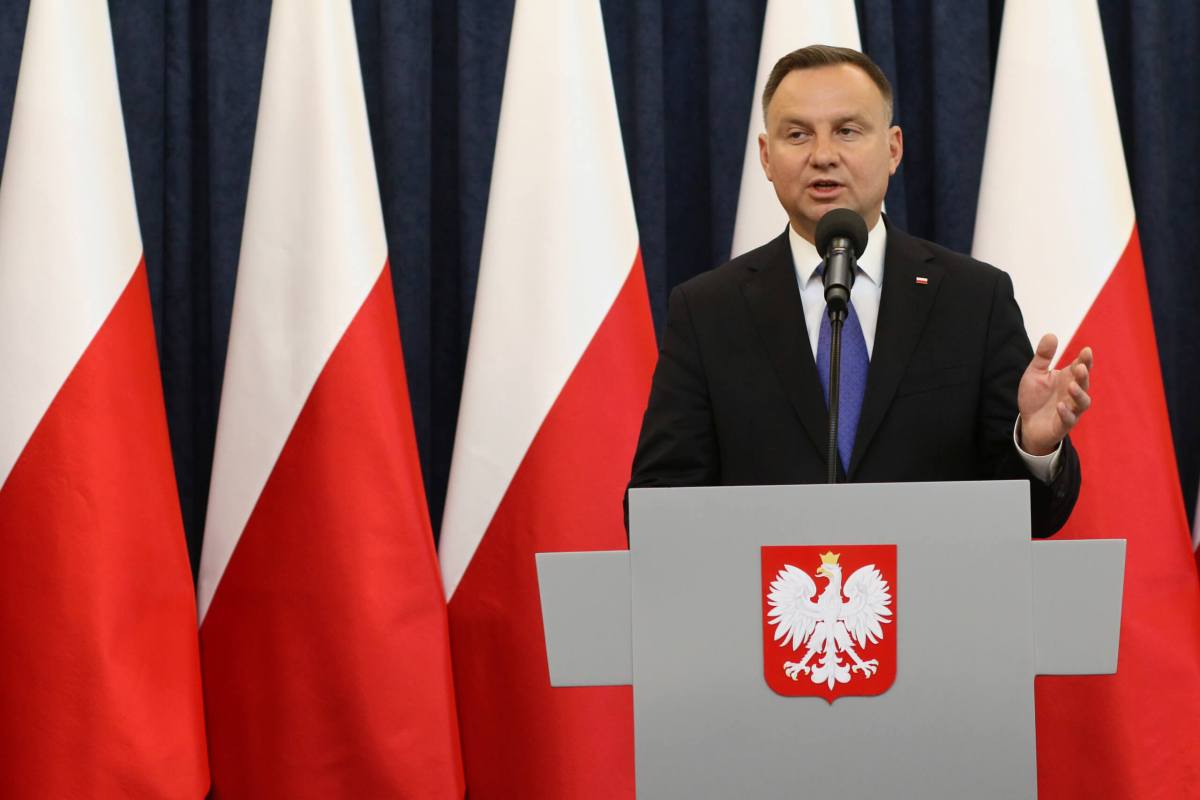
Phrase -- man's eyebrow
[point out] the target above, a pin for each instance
(861, 119)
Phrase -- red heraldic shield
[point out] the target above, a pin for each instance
(829, 619)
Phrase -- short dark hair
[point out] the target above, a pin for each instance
(823, 55)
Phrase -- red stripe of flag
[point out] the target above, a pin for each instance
(518, 731)
(1129, 735)
(326, 662)
(99, 681)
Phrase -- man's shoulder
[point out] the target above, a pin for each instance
(962, 266)
(721, 280)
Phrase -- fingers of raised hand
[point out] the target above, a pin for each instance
(1082, 374)
(1068, 416)
(1046, 348)
(1071, 408)
(1079, 397)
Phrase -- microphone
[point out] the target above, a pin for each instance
(841, 238)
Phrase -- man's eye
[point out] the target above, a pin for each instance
(848, 132)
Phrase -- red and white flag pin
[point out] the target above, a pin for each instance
(922, 280)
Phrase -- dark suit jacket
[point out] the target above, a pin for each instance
(736, 399)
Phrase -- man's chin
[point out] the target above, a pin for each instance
(821, 209)
(813, 213)
(816, 211)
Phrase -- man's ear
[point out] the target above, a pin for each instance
(895, 147)
(763, 158)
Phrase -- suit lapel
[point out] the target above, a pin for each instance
(904, 308)
(773, 297)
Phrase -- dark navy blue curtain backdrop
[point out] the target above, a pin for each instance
(190, 74)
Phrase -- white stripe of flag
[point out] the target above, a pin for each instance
(1064, 237)
(71, 238)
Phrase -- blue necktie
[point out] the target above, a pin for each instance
(853, 378)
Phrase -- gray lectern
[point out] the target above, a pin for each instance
(977, 610)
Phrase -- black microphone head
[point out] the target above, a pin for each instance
(842, 223)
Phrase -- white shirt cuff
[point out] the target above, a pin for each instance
(1044, 468)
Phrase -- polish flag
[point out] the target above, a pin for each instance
(786, 27)
(558, 372)
(323, 624)
(1056, 209)
(100, 674)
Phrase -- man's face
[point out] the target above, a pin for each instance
(828, 145)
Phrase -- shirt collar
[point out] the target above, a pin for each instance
(807, 260)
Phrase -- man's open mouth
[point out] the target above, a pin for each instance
(824, 188)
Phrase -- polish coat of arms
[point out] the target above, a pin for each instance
(835, 640)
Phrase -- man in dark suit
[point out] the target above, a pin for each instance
(939, 382)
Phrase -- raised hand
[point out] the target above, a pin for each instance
(1051, 401)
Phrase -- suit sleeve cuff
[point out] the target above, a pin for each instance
(1044, 468)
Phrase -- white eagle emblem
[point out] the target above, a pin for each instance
(831, 625)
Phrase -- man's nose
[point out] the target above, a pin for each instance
(824, 152)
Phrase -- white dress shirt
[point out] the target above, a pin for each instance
(865, 294)
(868, 284)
